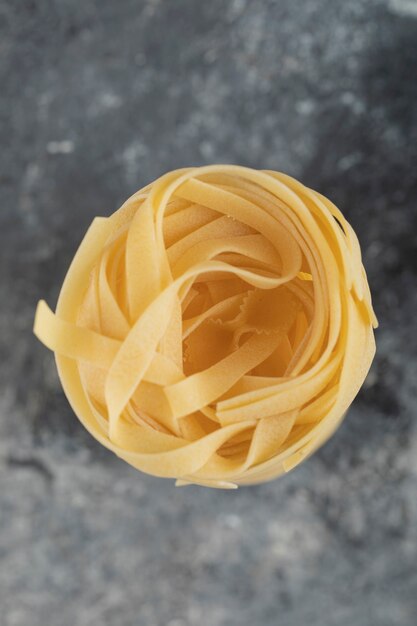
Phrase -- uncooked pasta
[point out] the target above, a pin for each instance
(216, 328)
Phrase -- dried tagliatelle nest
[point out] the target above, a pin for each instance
(216, 328)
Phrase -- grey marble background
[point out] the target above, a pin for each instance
(99, 97)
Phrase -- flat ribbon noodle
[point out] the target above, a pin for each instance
(216, 328)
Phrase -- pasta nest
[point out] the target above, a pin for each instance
(216, 328)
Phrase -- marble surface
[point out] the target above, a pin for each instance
(99, 98)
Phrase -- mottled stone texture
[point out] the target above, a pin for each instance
(99, 97)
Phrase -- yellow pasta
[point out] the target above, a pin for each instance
(216, 328)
